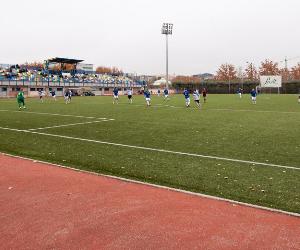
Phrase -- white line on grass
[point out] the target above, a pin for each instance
(233, 202)
(155, 149)
(67, 125)
(53, 114)
(257, 111)
(216, 109)
(237, 110)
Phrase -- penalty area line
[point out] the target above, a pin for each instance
(154, 149)
(53, 114)
(67, 125)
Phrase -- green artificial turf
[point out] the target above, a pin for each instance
(227, 126)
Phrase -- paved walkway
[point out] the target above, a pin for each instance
(47, 207)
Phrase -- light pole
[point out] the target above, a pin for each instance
(241, 76)
(167, 29)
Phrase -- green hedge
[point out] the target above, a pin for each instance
(292, 87)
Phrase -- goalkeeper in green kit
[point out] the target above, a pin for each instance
(21, 99)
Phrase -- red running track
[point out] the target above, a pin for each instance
(47, 207)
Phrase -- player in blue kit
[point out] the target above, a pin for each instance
(53, 94)
(116, 96)
(158, 92)
(253, 94)
(240, 92)
(67, 96)
(166, 94)
(187, 97)
(147, 97)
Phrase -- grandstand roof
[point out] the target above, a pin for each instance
(64, 60)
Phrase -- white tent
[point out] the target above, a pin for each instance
(161, 82)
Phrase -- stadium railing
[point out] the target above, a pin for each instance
(67, 83)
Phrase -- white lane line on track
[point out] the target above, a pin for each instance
(53, 114)
(156, 150)
(67, 125)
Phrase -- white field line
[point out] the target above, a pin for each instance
(67, 125)
(163, 106)
(233, 202)
(53, 114)
(236, 110)
(253, 163)
(214, 109)
(257, 111)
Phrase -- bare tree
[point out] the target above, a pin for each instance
(251, 72)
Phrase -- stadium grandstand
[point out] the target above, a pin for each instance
(54, 75)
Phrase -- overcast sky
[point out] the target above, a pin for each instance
(126, 33)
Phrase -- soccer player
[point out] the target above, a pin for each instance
(147, 97)
(299, 99)
(67, 98)
(158, 92)
(21, 99)
(204, 94)
(187, 98)
(196, 97)
(129, 94)
(70, 95)
(53, 94)
(41, 95)
(240, 92)
(166, 94)
(253, 94)
(115, 96)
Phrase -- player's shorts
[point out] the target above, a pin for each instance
(66, 97)
(166, 96)
(253, 98)
(20, 100)
(204, 95)
(187, 100)
(41, 96)
(197, 101)
(148, 99)
(53, 96)
(116, 96)
(129, 96)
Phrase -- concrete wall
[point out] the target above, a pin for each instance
(32, 91)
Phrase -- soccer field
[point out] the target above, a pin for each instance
(231, 148)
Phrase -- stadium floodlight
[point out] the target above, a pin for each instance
(167, 29)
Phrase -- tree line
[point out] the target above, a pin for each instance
(69, 67)
(228, 72)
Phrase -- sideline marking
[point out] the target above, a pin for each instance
(53, 114)
(154, 149)
(159, 186)
(67, 125)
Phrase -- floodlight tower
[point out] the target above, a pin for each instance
(167, 29)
